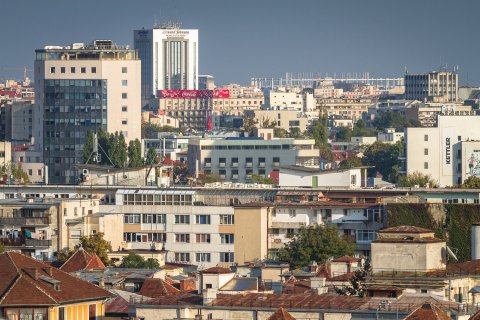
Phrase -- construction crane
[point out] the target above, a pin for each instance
(24, 69)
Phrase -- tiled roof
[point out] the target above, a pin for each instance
(182, 299)
(475, 316)
(281, 314)
(155, 287)
(408, 240)
(296, 286)
(428, 311)
(346, 259)
(82, 260)
(20, 274)
(217, 270)
(343, 277)
(468, 267)
(405, 229)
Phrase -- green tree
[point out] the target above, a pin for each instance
(416, 178)
(135, 153)
(152, 263)
(280, 133)
(18, 174)
(295, 133)
(210, 178)
(133, 261)
(319, 132)
(150, 130)
(151, 157)
(2, 248)
(95, 243)
(262, 180)
(384, 158)
(360, 130)
(344, 134)
(63, 255)
(315, 243)
(394, 119)
(117, 150)
(88, 147)
(351, 162)
(471, 182)
(266, 123)
(249, 124)
(357, 285)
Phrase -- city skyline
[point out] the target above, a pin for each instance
(267, 38)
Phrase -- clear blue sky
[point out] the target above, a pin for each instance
(241, 39)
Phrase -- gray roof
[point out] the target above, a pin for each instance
(241, 284)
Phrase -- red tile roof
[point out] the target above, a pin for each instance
(408, 240)
(20, 274)
(217, 270)
(281, 314)
(155, 287)
(82, 260)
(428, 311)
(476, 316)
(117, 305)
(405, 229)
(346, 259)
(296, 286)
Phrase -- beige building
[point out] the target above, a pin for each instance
(285, 119)
(433, 86)
(5, 152)
(80, 88)
(427, 113)
(160, 119)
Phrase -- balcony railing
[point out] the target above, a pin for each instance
(20, 242)
(23, 221)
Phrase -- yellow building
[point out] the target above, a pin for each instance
(30, 289)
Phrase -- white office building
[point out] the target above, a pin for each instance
(437, 151)
(169, 58)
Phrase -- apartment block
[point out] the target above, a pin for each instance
(433, 86)
(81, 88)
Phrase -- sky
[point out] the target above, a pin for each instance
(264, 38)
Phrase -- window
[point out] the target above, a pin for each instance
(353, 180)
(226, 219)
(61, 313)
(83, 70)
(182, 237)
(39, 172)
(366, 235)
(425, 137)
(425, 165)
(202, 238)
(425, 151)
(124, 69)
(94, 70)
(124, 95)
(202, 219)
(52, 69)
(131, 218)
(72, 69)
(182, 256)
(124, 108)
(62, 69)
(226, 238)
(276, 161)
(202, 257)
(124, 83)
(292, 212)
(124, 121)
(182, 219)
(459, 138)
(30, 172)
(226, 257)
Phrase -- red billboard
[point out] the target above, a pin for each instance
(193, 94)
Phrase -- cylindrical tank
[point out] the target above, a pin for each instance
(475, 241)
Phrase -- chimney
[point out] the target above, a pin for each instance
(318, 285)
(475, 241)
(49, 271)
(313, 266)
(208, 296)
(101, 282)
(32, 272)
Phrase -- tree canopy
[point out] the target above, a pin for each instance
(136, 261)
(416, 178)
(315, 243)
(351, 162)
(384, 158)
(135, 154)
(394, 119)
(150, 130)
(471, 182)
(357, 283)
(95, 243)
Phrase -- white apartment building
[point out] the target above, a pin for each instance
(236, 159)
(437, 151)
(169, 57)
(390, 136)
(290, 100)
(198, 234)
(81, 88)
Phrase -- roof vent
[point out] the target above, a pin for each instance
(32, 272)
(54, 282)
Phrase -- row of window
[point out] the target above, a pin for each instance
(157, 199)
(249, 147)
(82, 70)
(179, 219)
(204, 257)
(234, 161)
(225, 238)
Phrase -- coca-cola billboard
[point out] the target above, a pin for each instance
(193, 94)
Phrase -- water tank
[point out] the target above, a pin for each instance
(475, 241)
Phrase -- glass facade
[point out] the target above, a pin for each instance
(175, 64)
(71, 109)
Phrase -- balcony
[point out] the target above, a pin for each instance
(261, 164)
(222, 164)
(234, 164)
(20, 242)
(234, 176)
(276, 163)
(207, 165)
(23, 221)
(248, 165)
